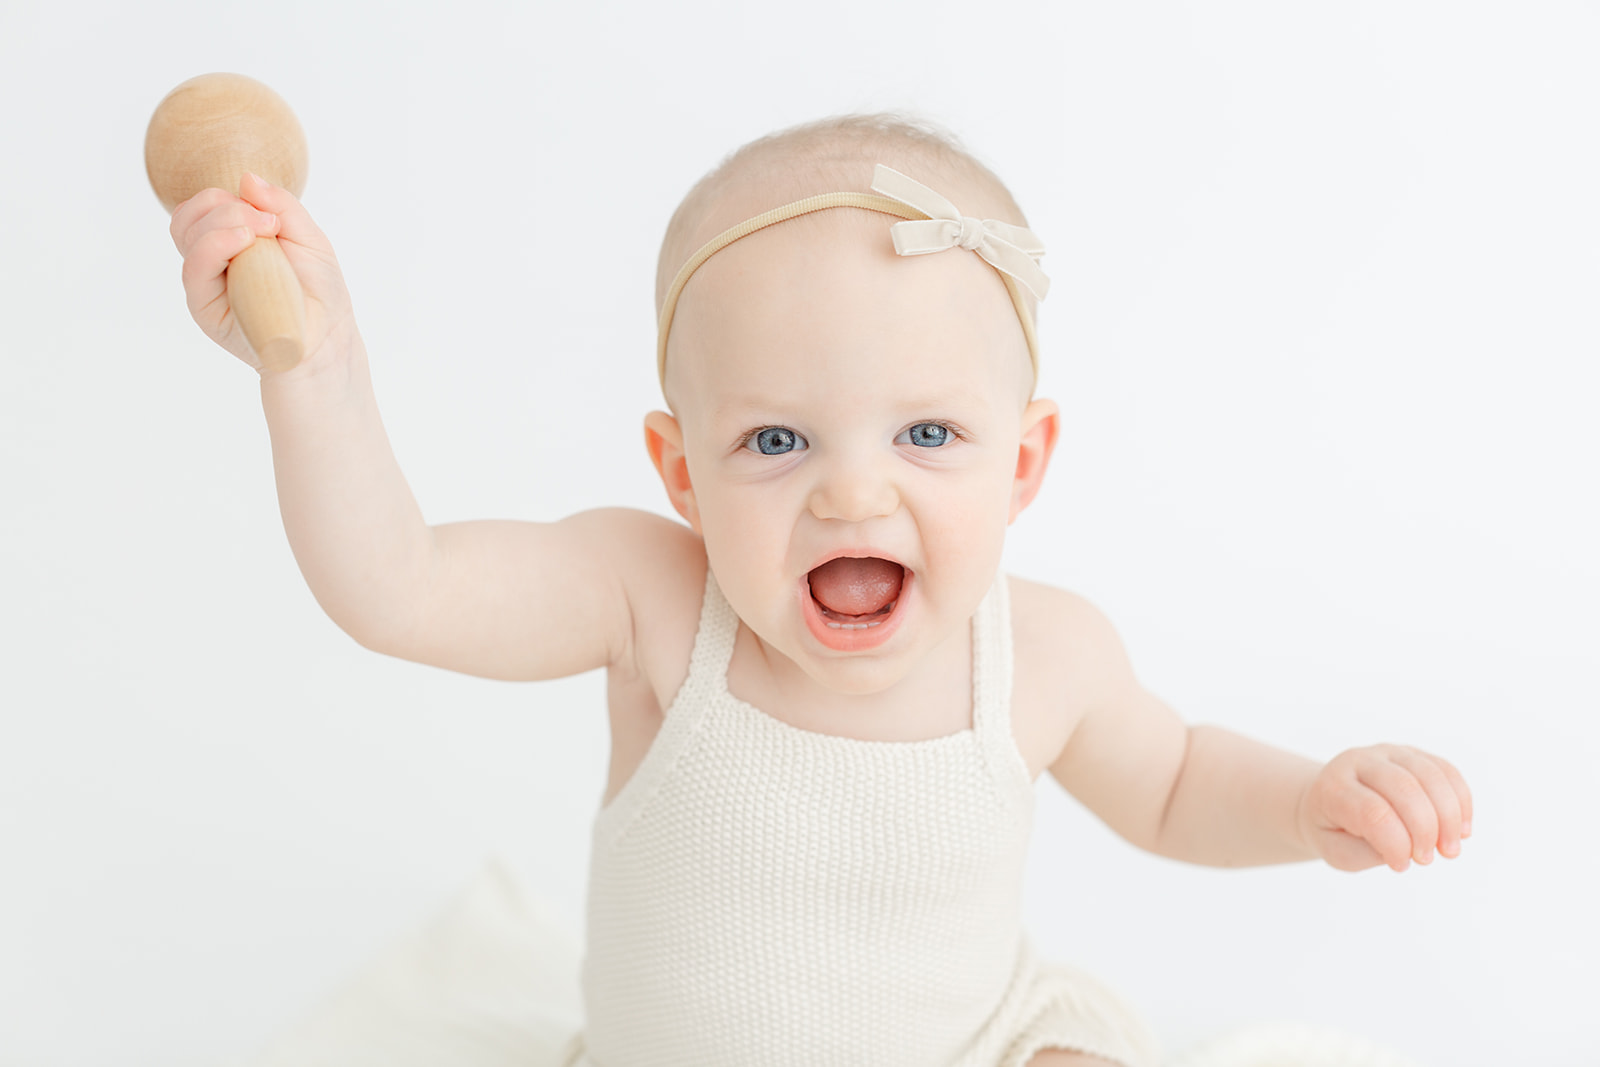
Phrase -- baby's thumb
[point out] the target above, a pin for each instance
(1346, 852)
(294, 222)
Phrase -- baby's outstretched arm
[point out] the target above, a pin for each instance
(1206, 795)
(499, 599)
(1381, 804)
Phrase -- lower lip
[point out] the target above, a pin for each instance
(839, 639)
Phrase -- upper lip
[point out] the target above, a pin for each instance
(858, 552)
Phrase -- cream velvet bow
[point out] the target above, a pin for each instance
(1005, 247)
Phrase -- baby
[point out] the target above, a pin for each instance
(828, 708)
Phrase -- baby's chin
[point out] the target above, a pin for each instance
(859, 677)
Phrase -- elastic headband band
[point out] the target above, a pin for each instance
(933, 225)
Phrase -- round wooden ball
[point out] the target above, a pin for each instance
(211, 129)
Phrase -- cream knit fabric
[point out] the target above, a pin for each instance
(762, 894)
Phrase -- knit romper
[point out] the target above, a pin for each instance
(764, 895)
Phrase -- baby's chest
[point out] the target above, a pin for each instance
(1039, 734)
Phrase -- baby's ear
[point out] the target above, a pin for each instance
(664, 439)
(1041, 424)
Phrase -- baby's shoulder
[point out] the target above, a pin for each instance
(1049, 613)
(661, 564)
(1065, 648)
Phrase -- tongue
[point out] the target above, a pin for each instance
(856, 586)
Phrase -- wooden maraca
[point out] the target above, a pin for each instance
(207, 132)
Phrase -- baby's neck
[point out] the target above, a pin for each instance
(932, 699)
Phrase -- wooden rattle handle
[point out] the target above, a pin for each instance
(206, 133)
(266, 299)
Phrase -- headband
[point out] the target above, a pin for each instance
(932, 225)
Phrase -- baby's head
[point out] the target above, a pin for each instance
(831, 399)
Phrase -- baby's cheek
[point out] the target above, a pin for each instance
(965, 545)
(747, 540)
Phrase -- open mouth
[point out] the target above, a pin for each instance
(856, 593)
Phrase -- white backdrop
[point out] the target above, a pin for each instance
(1322, 327)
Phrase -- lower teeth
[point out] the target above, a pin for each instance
(884, 612)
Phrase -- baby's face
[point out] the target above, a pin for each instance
(835, 399)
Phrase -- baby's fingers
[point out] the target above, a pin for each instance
(216, 209)
(191, 211)
(204, 266)
(1458, 785)
(297, 224)
(1365, 813)
(1430, 772)
(1410, 800)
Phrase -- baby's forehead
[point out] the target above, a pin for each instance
(821, 308)
(874, 382)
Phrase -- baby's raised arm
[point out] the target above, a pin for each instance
(501, 599)
(1210, 796)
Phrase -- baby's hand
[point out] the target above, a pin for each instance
(1385, 804)
(213, 226)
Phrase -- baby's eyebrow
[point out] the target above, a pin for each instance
(744, 408)
(922, 403)
(934, 400)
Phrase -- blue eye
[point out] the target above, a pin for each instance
(775, 441)
(925, 434)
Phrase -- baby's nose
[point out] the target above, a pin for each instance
(853, 491)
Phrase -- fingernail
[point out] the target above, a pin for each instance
(1450, 849)
(1466, 828)
(271, 221)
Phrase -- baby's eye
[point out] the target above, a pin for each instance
(775, 441)
(925, 434)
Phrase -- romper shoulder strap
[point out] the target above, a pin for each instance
(992, 668)
(713, 645)
(705, 686)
